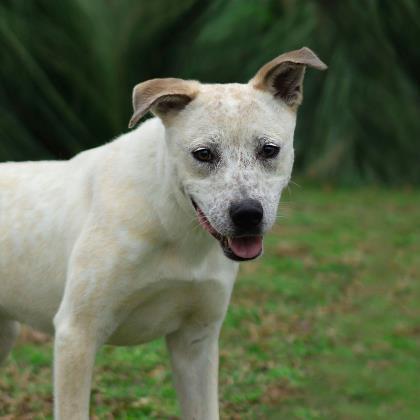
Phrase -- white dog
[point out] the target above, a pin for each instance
(141, 238)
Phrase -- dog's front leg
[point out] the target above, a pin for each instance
(86, 318)
(74, 355)
(195, 361)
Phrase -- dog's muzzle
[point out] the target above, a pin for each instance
(246, 244)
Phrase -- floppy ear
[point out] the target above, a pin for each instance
(283, 76)
(161, 96)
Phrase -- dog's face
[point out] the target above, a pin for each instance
(232, 147)
(233, 150)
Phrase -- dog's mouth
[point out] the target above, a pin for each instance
(238, 248)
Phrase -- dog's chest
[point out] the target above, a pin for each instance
(175, 296)
(165, 307)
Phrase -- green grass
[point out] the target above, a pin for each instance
(324, 326)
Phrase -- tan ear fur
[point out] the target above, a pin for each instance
(283, 76)
(161, 96)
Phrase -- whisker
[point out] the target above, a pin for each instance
(294, 183)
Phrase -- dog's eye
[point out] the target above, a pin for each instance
(269, 151)
(203, 155)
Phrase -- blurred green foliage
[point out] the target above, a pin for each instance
(68, 68)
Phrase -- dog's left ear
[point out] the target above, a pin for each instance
(283, 76)
(162, 97)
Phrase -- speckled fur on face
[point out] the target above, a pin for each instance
(234, 121)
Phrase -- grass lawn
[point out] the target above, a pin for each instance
(325, 326)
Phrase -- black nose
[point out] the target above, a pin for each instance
(246, 214)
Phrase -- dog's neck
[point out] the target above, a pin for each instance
(172, 208)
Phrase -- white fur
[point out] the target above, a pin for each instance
(106, 248)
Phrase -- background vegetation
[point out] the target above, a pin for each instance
(68, 67)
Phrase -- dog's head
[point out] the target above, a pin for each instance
(232, 145)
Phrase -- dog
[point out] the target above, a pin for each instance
(141, 238)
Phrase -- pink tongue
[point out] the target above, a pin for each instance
(246, 247)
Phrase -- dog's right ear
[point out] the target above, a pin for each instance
(162, 97)
(283, 76)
